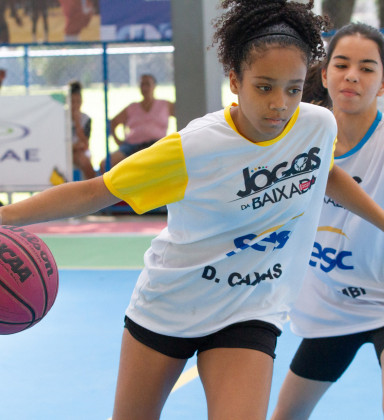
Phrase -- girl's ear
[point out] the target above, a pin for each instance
(381, 90)
(233, 82)
(324, 78)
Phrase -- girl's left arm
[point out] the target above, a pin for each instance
(343, 189)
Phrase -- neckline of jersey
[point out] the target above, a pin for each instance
(265, 143)
(366, 137)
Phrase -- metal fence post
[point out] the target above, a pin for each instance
(105, 81)
(26, 68)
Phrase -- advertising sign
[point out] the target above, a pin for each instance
(35, 149)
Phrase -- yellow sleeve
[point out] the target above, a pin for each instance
(151, 178)
(333, 154)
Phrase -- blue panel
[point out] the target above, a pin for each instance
(123, 13)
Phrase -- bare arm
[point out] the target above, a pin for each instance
(66, 200)
(346, 191)
(120, 118)
(171, 106)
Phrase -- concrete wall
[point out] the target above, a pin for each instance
(198, 74)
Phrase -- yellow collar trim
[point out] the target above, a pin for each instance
(291, 123)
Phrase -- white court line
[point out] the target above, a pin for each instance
(187, 376)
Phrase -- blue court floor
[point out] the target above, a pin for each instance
(65, 367)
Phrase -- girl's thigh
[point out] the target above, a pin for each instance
(237, 382)
(145, 379)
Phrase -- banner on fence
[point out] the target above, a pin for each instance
(135, 20)
(35, 146)
(49, 21)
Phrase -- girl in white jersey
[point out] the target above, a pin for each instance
(341, 304)
(244, 187)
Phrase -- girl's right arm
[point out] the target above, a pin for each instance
(67, 200)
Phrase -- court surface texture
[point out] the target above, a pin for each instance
(65, 367)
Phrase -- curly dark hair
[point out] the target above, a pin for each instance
(237, 27)
(313, 91)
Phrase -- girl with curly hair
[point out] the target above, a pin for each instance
(243, 187)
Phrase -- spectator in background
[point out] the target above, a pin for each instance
(81, 131)
(3, 75)
(147, 122)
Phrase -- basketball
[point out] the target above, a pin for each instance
(29, 279)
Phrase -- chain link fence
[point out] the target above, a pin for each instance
(109, 74)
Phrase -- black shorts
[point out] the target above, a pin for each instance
(326, 359)
(256, 335)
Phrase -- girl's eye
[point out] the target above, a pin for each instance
(340, 66)
(264, 88)
(366, 69)
(294, 91)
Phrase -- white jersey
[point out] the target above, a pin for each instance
(343, 292)
(242, 218)
(85, 123)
